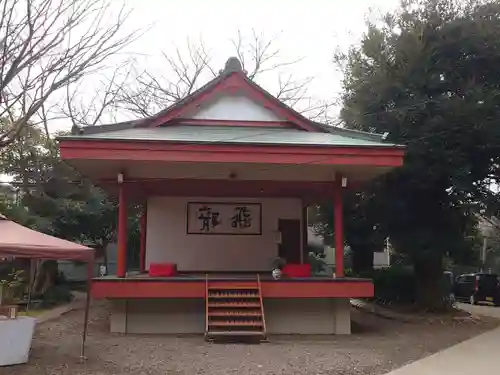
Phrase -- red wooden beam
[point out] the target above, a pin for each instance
(143, 230)
(147, 289)
(121, 268)
(338, 221)
(304, 254)
(311, 192)
(136, 288)
(317, 289)
(229, 188)
(230, 153)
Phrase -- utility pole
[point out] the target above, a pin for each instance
(483, 253)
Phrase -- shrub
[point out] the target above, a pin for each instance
(395, 285)
(398, 284)
(317, 263)
(12, 285)
(57, 294)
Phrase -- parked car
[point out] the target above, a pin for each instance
(477, 287)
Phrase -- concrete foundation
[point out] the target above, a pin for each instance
(304, 316)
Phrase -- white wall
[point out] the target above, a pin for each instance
(381, 259)
(234, 107)
(167, 240)
(309, 316)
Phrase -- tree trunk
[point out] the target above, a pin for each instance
(45, 276)
(429, 284)
(362, 259)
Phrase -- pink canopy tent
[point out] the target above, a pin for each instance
(20, 242)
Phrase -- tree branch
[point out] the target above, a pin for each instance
(48, 45)
(190, 67)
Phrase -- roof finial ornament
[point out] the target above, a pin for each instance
(233, 64)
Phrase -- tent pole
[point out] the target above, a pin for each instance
(90, 274)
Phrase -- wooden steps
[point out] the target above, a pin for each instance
(234, 310)
(228, 286)
(232, 295)
(214, 334)
(234, 304)
(230, 313)
(235, 323)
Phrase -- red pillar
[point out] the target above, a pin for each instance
(339, 227)
(304, 254)
(121, 268)
(143, 230)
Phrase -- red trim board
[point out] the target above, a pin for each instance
(316, 190)
(217, 153)
(130, 288)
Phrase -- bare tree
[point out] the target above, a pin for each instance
(83, 109)
(188, 68)
(47, 45)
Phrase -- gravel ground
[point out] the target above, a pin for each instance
(375, 347)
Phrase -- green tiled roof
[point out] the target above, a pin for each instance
(237, 135)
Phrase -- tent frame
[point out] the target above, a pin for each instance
(66, 251)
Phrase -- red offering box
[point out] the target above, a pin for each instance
(162, 269)
(297, 270)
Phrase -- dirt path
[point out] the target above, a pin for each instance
(376, 346)
(484, 310)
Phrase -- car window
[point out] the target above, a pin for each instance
(469, 278)
(489, 279)
(464, 279)
(490, 276)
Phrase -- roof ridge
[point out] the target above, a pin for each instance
(357, 134)
(103, 128)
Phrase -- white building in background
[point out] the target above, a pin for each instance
(77, 272)
(381, 259)
(489, 228)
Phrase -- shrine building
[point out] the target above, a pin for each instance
(225, 177)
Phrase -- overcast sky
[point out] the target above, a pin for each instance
(312, 30)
